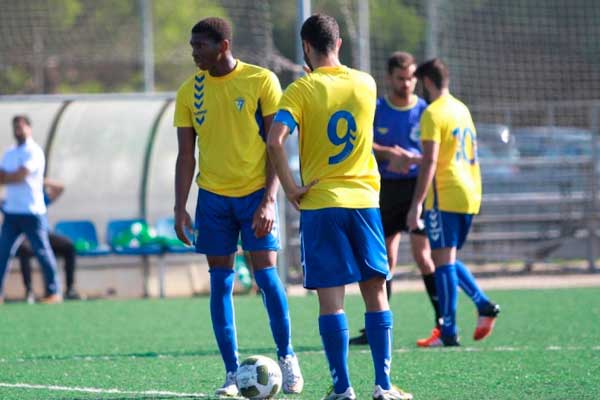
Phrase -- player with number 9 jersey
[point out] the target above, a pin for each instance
(334, 108)
(457, 185)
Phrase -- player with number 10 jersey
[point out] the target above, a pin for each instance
(457, 185)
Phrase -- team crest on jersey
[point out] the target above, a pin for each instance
(382, 130)
(415, 133)
(239, 103)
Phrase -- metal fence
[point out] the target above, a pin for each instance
(528, 70)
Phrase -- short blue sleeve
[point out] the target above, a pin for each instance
(286, 118)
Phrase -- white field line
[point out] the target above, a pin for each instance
(498, 349)
(99, 390)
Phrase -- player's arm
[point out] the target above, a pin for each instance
(276, 147)
(426, 173)
(184, 174)
(399, 160)
(14, 177)
(264, 216)
(53, 189)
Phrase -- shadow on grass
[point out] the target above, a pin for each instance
(168, 354)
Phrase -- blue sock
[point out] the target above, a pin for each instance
(223, 315)
(334, 334)
(277, 307)
(379, 331)
(447, 291)
(467, 283)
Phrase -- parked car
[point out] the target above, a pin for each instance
(497, 151)
(553, 141)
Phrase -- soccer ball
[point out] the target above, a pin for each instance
(258, 377)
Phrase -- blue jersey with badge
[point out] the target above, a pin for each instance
(398, 126)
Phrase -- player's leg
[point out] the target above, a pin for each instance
(275, 300)
(365, 235)
(324, 252)
(333, 328)
(379, 325)
(392, 243)
(394, 201)
(36, 229)
(264, 263)
(421, 252)
(487, 310)
(8, 235)
(447, 289)
(443, 231)
(217, 234)
(63, 247)
(24, 254)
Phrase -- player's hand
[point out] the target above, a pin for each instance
(400, 160)
(183, 223)
(295, 196)
(413, 218)
(264, 218)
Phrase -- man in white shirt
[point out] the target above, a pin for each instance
(22, 171)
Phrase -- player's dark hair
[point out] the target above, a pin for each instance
(436, 71)
(400, 59)
(21, 117)
(215, 28)
(321, 32)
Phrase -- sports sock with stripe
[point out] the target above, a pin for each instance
(379, 331)
(469, 285)
(334, 334)
(447, 290)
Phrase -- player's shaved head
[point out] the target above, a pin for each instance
(436, 71)
(400, 59)
(321, 32)
(217, 29)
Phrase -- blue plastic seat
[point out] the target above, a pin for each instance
(117, 227)
(82, 231)
(165, 230)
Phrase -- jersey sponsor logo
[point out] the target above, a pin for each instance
(382, 130)
(199, 111)
(239, 103)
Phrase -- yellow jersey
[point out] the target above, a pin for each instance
(334, 108)
(457, 182)
(226, 113)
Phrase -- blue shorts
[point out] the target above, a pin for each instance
(339, 246)
(447, 229)
(220, 219)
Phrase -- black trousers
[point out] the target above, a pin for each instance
(62, 247)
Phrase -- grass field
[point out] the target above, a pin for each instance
(546, 346)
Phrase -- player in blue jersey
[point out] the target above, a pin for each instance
(225, 107)
(450, 180)
(398, 150)
(340, 226)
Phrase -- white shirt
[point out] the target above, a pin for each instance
(27, 196)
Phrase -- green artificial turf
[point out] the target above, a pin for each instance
(546, 346)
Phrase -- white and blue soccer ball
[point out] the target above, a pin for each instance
(258, 377)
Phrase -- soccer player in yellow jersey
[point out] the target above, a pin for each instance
(340, 226)
(450, 182)
(226, 107)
